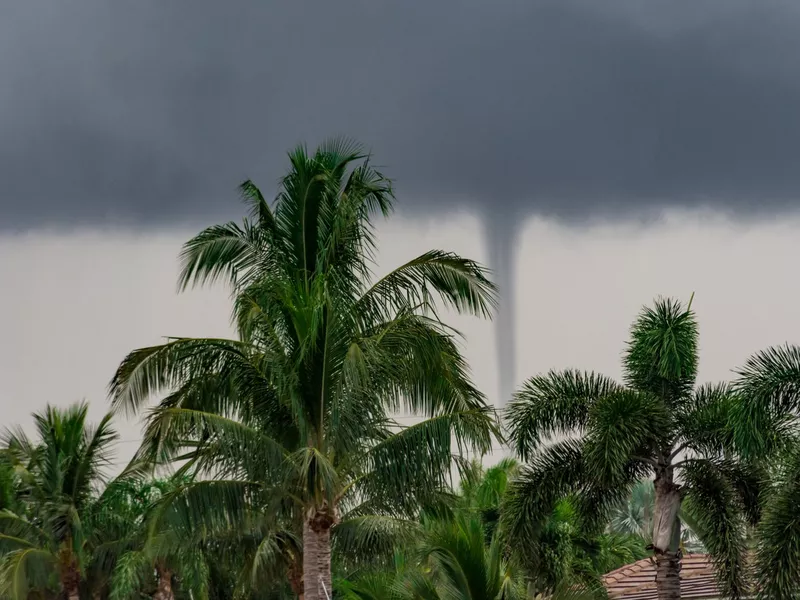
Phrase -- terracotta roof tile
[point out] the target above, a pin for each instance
(638, 581)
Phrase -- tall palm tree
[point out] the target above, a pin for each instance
(585, 434)
(325, 353)
(766, 423)
(45, 539)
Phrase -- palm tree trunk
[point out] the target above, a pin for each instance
(164, 589)
(317, 554)
(667, 534)
(71, 579)
(668, 576)
(72, 592)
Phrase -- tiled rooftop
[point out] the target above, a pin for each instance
(638, 580)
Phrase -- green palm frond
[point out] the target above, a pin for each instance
(18, 527)
(225, 444)
(220, 251)
(269, 558)
(132, 574)
(372, 539)
(634, 516)
(412, 465)
(623, 427)
(777, 552)
(552, 474)
(554, 404)
(713, 502)
(484, 488)
(201, 508)
(459, 282)
(148, 371)
(706, 420)
(769, 390)
(386, 585)
(462, 565)
(27, 569)
(416, 363)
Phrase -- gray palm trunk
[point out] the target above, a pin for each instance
(317, 581)
(667, 533)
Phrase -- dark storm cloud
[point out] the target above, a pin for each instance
(150, 112)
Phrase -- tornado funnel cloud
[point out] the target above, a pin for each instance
(502, 234)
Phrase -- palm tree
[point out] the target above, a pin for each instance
(463, 567)
(44, 539)
(151, 555)
(766, 423)
(451, 561)
(570, 557)
(574, 560)
(482, 488)
(585, 434)
(325, 354)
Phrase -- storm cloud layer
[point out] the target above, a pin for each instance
(149, 112)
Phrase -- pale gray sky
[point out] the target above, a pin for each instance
(73, 303)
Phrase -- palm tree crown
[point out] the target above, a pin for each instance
(325, 354)
(46, 537)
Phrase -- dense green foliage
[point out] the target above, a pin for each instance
(584, 434)
(273, 465)
(50, 530)
(768, 427)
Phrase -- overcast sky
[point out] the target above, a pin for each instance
(559, 133)
(77, 302)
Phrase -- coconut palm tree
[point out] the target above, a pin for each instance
(326, 352)
(766, 424)
(583, 433)
(45, 539)
(244, 511)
